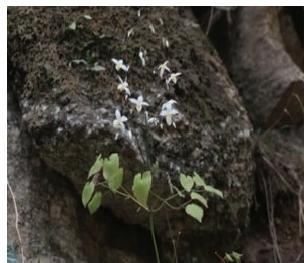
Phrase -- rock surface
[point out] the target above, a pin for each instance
(68, 109)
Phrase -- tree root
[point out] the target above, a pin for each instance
(271, 83)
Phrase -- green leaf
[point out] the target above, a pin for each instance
(87, 17)
(196, 196)
(96, 167)
(199, 181)
(213, 190)
(195, 211)
(186, 182)
(87, 192)
(228, 257)
(141, 187)
(112, 173)
(95, 202)
(236, 256)
(72, 26)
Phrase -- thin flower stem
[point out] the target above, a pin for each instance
(131, 197)
(165, 202)
(151, 221)
(125, 194)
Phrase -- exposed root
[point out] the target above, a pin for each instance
(262, 68)
(270, 214)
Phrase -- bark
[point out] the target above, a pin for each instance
(271, 83)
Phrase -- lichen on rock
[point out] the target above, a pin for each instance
(68, 110)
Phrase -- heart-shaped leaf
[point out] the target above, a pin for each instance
(96, 167)
(95, 202)
(112, 173)
(87, 192)
(213, 190)
(199, 181)
(236, 256)
(228, 257)
(195, 211)
(186, 182)
(196, 196)
(141, 187)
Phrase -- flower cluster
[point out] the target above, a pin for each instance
(168, 112)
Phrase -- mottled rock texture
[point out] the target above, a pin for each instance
(68, 110)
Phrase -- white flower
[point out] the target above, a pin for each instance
(130, 32)
(139, 102)
(168, 105)
(153, 121)
(162, 68)
(87, 17)
(120, 65)
(118, 123)
(152, 28)
(123, 86)
(129, 134)
(173, 77)
(168, 112)
(165, 42)
(142, 54)
(161, 21)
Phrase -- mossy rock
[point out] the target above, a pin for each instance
(68, 110)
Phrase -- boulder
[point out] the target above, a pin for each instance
(68, 95)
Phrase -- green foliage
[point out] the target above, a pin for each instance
(87, 193)
(199, 181)
(96, 167)
(186, 182)
(200, 198)
(193, 187)
(212, 190)
(112, 173)
(112, 179)
(141, 187)
(233, 257)
(95, 202)
(195, 211)
(72, 26)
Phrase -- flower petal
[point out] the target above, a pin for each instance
(138, 107)
(117, 114)
(169, 119)
(123, 118)
(132, 100)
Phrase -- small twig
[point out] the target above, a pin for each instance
(299, 100)
(210, 20)
(219, 257)
(17, 221)
(299, 257)
(301, 213)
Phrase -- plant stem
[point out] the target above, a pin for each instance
(124, 194)
(151, 221)
(165, 202)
